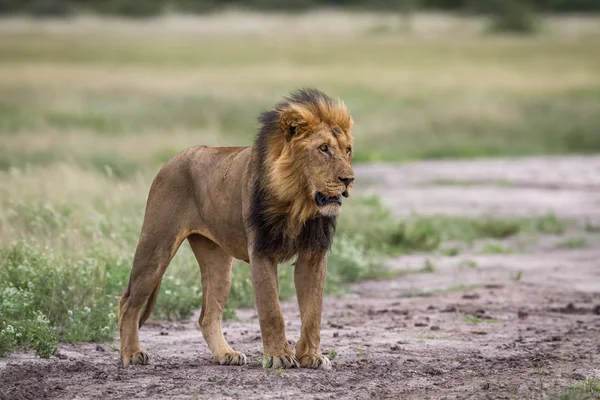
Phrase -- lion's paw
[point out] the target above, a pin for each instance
(137, 358)
(281, 361)
(231, 358)
(315, 361)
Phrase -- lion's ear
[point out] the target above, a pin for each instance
(291, 122)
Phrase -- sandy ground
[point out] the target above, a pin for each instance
(501, 326)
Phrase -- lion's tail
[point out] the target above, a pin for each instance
(150, 304)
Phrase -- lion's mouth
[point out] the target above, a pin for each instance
(323, 200)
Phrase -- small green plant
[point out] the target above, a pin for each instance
(516, 276)
(362, 352)
(428, 267)
(177, 300)
(267, 362)
(350, 261)
(573, 243)
(417, 293)
(468, 264)
(451, 251)
(428, 336)
(496, 248)
(474, 319)
(457, 288)
(332, 353)
(591, 227)
(374, 234)
(21, 326)
(418, 234)
(497, 228)
(435, 292)
(538, 369)
(550, 224)
(229, 314)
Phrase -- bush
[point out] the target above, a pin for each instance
(241, 293)
(568, 5)
(198, 7)
(47, 8)
(146, 8)
(367, 218)
(418, 234)
(177, 299)
(428, 232)
(21, 326)
(512, 16)
(45, 299)
(38, 8)
(350, 261)
(129, 8)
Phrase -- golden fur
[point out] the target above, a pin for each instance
(263, 204)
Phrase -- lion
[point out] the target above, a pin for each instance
(265, 204)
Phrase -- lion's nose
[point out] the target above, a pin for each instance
(346, 181)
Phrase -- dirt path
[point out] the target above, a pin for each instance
(505, 326)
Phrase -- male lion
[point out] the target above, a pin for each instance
(263, 204)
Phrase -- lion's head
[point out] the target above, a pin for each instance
(310, 157)
(304, 151)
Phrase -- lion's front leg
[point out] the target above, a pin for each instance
(309, 278)
(278, 352)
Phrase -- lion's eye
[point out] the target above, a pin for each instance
(324, 148)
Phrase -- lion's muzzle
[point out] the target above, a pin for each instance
(323, 200)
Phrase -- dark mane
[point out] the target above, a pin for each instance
(272, 236)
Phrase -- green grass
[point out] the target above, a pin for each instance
(429, 232)
(428, 336)
(332, 353)
(592, 228)
(69, 291)
(549, 224)
(450, 251)
(385, 234)
(496, 248)
(412, 98)
(572, 243)
(516, 276)
(435, 292)
(474, 320)
(428, 267)
(74, 263)
(44, 300)
(468, 264)
(585, 390)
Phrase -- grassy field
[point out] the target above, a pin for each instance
(89, 110)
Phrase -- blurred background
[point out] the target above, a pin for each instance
(95, 95)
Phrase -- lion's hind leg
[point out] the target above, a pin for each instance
(215, 268)
(152, 256)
